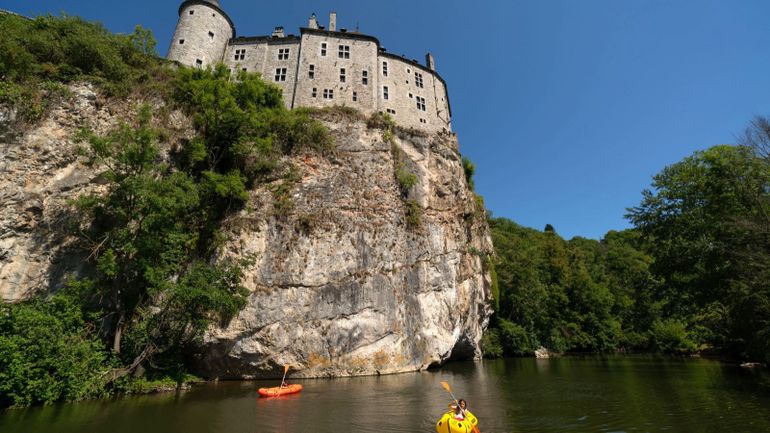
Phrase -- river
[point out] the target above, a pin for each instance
(570, 394)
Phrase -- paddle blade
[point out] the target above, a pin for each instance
(285, 369)
(446, 386)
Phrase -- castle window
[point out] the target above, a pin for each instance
(323, 49)
(315, 92)
(181, 42)
(192, 12)
(411, 96)
(355, 96)
(211, 35)
(423, 121)
(393, 112)
(385, 92)
(342, 75)
(420, 103)
(328, 93)
(311, 72)
(385, 69)
(240, 54)
(344, 52)
(418, 80)
(199, 63)
(280, 74)
(283, 54)
(365, 78)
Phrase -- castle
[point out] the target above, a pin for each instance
(319, 68)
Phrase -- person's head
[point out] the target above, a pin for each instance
(462, 404)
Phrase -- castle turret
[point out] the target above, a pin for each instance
(202, 33)
(312, 23)
(430, 62)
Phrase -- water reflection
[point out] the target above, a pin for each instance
(610, 394)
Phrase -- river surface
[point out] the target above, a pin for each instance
(571, 394)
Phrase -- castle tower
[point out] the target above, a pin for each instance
(202, 33)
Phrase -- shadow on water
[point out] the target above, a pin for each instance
(611, 394)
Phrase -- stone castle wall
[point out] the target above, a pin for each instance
(364, 76)
(202, 34)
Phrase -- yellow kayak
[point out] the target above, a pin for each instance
(448, 423)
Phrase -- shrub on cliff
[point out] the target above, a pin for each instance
(149, 241)
(242, 122)
(48, 353)
(35, 53)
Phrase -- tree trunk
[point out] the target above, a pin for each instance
(118, 333)
(120, 372)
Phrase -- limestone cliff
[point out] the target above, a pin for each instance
(340, 282)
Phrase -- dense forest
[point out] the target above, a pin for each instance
(692, 275)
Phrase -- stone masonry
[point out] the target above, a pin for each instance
(319, 68)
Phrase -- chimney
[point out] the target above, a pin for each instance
(278, 32)
(430, 62)
(333, 21)
(312, 22)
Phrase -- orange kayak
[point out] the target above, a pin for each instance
(277, 391)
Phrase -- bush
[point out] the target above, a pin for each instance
(36, 53)
(469, 169)
(490, 344)
(413, 214)
(48, 354)
(671, 336)
(515, 339)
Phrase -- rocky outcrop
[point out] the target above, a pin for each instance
(340, 282)
(39, 173)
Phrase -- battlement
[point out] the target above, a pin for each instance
(319, 67)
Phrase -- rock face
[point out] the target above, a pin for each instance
(341, 284)
(39, 172)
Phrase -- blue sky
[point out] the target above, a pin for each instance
(567, 107)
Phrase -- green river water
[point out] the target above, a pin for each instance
(571, 394)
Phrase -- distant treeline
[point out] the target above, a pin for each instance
(693, 275)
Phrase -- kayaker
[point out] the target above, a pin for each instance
(459, 409)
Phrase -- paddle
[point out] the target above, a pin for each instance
(283, 381)
(285, 370)
(448, 389)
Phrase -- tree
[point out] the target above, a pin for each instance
(143, 236)
(701, 223)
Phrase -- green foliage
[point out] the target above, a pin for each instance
(48, 49)
(705, 222)
(693, 274)
(243, 124)
(48, 354)
(406, 180)
(469, 169)
(577, 295)
(413, 213)
(490, 344)
(671, 336)
(515, 339)
(145, 385)
(148, 235)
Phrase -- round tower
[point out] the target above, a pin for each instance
(202, 33)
